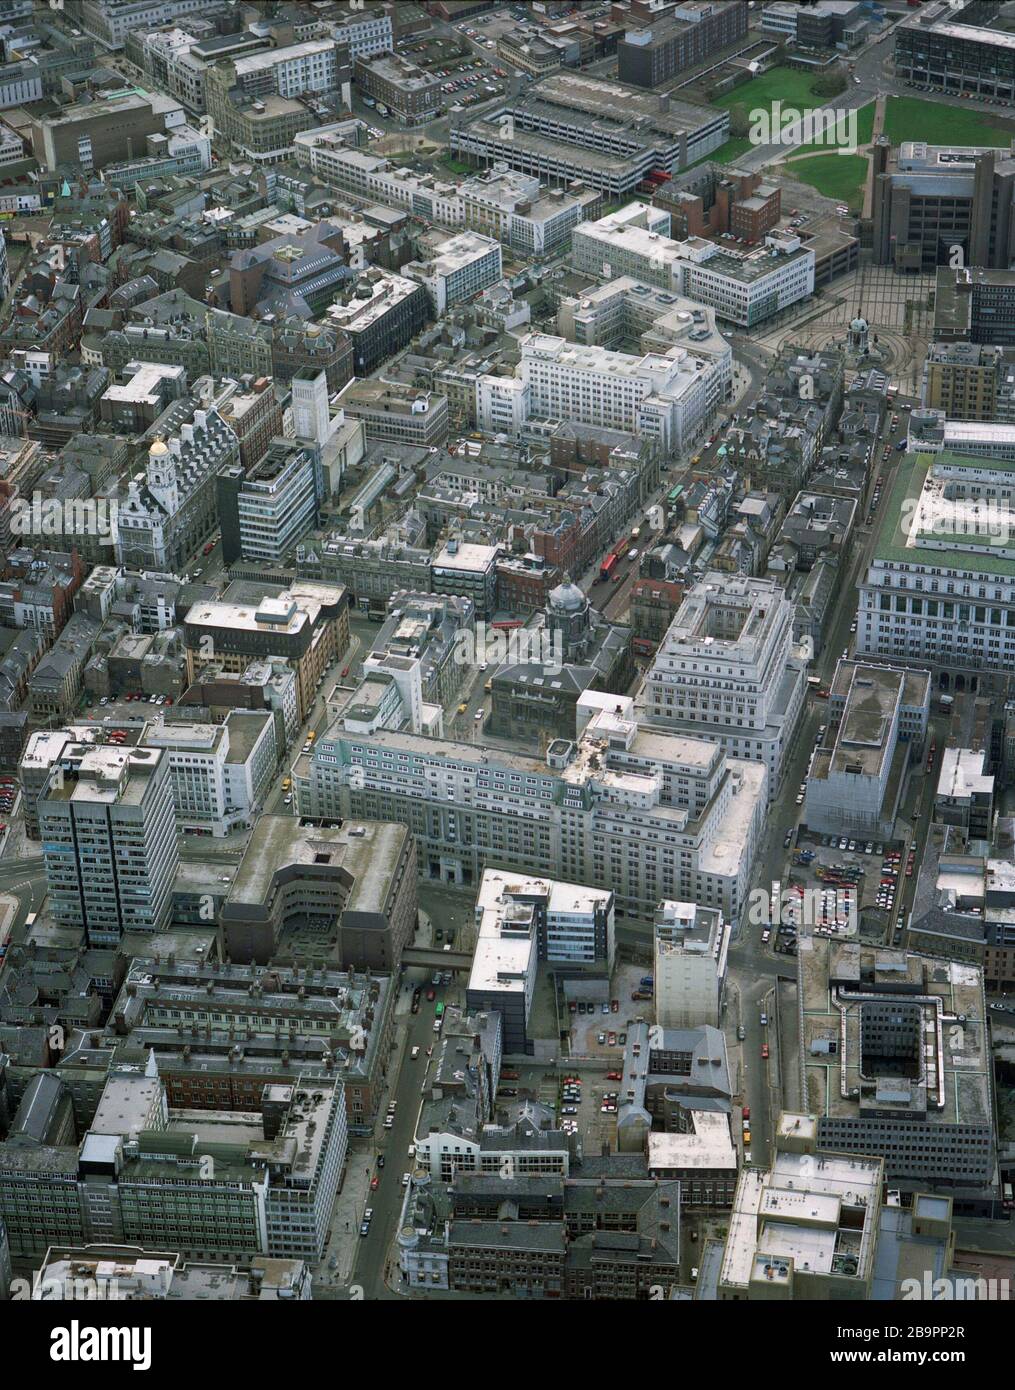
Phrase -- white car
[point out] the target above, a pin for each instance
(406, 1179)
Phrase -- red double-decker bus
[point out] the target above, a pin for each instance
(505, 624)
(608, 565)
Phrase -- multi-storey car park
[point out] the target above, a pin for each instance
(575, 126)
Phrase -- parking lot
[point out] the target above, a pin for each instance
(467, 77)
(839, 887)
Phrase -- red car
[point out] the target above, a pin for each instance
(764, 1052)
(614, 1076)
(345, 672)
(431, 994)
(615, 1005)
(747, 1112)
(375, 1183)
(822, 694)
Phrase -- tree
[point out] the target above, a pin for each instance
(740, 124)
(830, 84)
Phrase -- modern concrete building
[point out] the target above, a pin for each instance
(686, 37)
(727, 670)
(402, 414)
(945, 51)
(647, 814)
(743, 287)
(691, 946)
(806, 1227)
(626, 312)
(975, 304)
(307, 625)
(267, 509)
(858, 775)
(940, 205)
(669, 397)
(89, 135)
(109, 840)
(220, 772)
(345, 894)
(380, 315)
(521, 921)
(573, 125)
(459, 268)
(895, 1059)
(965, 792)
(519, 211)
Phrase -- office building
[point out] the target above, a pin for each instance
(963, 380)
(109, 840)
(691, 946)
(625, 311)
(307, 625)
(267, 510)
(413, 95)
(110, 21)
(378, 316)
(304, 1019)
(360, 878)
(940, 587)
(805, 1227)
(649, 815)
(89, 135)
(667, 397)
(895, 1057)
(690, 35)
(324, 152)
(728, 670)
(132, 1273)
(975, 304)
(940, 205)
(743, 287)
(517, 210)
(943, 51)
(931, 432)
(468, 570)
(400, 413)
(859, 773)
(572, 125)
(521, 921)
(965, 793)
(220, 772)
(459, 268)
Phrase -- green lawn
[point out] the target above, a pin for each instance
(791, 86)
(911, 118)
(839, 176)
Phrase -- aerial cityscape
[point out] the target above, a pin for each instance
(507, 653)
